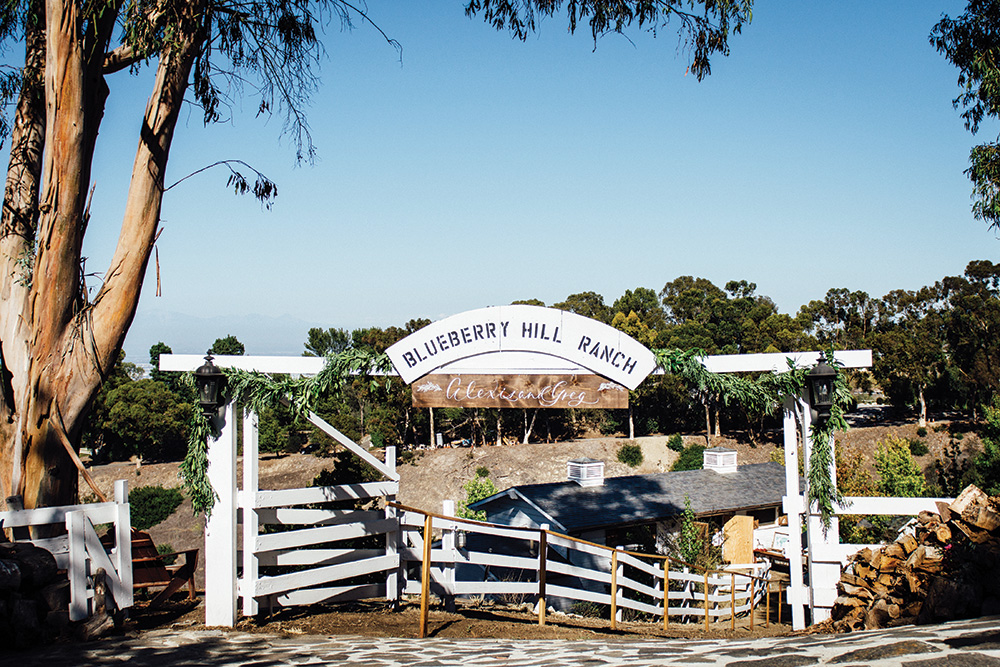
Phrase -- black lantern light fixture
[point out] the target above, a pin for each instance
(209, 379)
(822, 379)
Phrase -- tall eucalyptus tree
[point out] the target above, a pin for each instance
(57, 343)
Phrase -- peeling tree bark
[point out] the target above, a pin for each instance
(17, 234)
(57, 345)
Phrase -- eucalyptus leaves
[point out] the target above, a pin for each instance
(256, 391)
(763, 394)
(822, 488)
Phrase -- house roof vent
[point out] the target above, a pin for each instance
(585, 472)
(720, 459)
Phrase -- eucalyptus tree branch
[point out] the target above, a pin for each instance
(120, 58)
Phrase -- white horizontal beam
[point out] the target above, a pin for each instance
(778, 361)
(507, 362)
(292, 365)
(867, 505)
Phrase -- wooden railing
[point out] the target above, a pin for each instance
(476, 558)
(296, 551)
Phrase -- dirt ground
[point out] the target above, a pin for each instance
(482, 621)
(438, 474)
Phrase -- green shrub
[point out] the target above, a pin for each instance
(921, 432)
(608, 427)
(150, 505)
(675, 443)
(476, 489)
(692, 458)
(482, 471)
(918, 447)
(899, 475)
(630, 454)
(588, 609)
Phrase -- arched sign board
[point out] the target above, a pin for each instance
(521, 356)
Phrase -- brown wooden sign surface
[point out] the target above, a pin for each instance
(518, 391)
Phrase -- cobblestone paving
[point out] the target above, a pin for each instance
(958, 644)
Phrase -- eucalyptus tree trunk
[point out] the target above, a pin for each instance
(922, 421)
(708, 423)
(57, 345)
(529, 426)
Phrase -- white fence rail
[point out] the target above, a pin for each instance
(80, 551)
(474, 558)
(829, 556)
(312, 545)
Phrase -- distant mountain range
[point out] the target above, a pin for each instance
(188, 334)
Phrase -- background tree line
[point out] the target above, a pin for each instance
(935, 348)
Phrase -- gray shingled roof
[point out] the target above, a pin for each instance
(644, 498)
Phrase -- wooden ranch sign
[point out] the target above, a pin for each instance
(518, 391)
(561, 349)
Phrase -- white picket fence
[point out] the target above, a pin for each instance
(296, 553)
(80, 551)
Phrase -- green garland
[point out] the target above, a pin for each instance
(764, 394)
(822, 489)
(194, 467)
(257, 391)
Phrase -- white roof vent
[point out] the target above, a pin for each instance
(585, 472)
(720, 459)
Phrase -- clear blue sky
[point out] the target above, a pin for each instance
(823, 152)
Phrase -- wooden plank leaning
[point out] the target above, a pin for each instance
(425, 577)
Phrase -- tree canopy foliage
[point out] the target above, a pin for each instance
(59, 339)
(971, 42)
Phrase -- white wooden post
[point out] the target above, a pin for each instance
(392, 538)
(823, 575)
(220, 528)
(448, 546)
(620, 591)
(123, 545)
(79, 606)
(796, 595)
(248, 504)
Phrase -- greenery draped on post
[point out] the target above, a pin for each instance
(764, 394)
(255, 391)
(822, 487)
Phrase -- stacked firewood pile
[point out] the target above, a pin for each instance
(944, 569)
(34, 598)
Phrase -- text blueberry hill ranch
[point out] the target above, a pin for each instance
(502, 330)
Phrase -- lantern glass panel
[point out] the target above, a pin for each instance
(823, 390)
(209, 392)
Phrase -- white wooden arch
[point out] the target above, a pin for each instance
(825, 553)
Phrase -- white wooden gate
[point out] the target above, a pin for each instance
(295, 554)
(80, 551)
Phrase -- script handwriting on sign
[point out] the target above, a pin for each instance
(519, 391)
